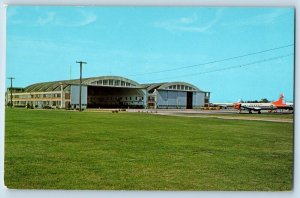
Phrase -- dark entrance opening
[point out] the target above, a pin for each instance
(189, 100)
(114, 97)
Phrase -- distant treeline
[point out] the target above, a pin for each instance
(263, 100)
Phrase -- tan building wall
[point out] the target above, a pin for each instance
(55, 99)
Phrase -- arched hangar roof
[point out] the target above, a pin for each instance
(115, 81)
(110, 81)
(183, 86)
(176, 86)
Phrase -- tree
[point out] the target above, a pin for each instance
(264, 100)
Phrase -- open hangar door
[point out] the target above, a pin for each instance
(189, 100)
(115, 97)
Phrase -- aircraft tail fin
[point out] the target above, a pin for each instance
(237, 105)
(280, 101)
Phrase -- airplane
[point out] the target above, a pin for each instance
(279, 104)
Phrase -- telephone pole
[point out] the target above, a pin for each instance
(80, 63)
(11, 79)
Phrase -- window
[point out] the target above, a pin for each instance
(111, 82)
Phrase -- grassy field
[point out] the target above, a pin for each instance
(54, 149)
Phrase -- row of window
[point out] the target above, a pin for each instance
(58, 95)
(113, 83)
(180, 87)
(256, 105)
(119, 98)
(38, 103)
(130, 98)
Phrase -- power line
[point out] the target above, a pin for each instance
(232, 67)
(211, 62)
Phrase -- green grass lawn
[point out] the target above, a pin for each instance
(55, 149)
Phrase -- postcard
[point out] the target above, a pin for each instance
(149, 98)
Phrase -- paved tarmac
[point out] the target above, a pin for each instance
(220, 114)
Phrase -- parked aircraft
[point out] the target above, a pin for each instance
(279, 104)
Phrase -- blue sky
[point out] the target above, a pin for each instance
(140, 43)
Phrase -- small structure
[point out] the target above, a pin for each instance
(109, 92)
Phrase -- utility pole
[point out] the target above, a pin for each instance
(81, 63)
(11, 79)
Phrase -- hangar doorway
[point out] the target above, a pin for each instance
(189, 100)
(114, 97)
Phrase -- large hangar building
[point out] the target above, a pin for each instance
(109, 92)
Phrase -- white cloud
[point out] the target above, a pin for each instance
(39, 45)
(82, 18)
(188, 20)
(85, 18)
(268, 17)
(88, 18)
(257, 20)
(189, 24)
(41, 21)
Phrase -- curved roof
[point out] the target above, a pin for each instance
(151, 87)
(183, 86)
(110, 81)
(43, 87)
(176, 86)
(115, 81)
